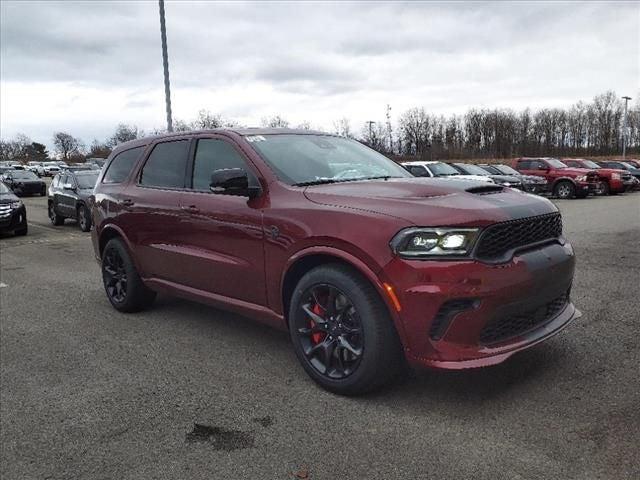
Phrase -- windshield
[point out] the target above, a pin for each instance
(556, 163)
(590, 164)
(507, 170)
(4, 188)
(442, 170)
(309, 159)
(474, 170)
(87, 180)
(24, 175)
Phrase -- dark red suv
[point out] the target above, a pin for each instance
(565, 182)
(362, 263)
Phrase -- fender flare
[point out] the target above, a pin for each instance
(127, 243)
(360, 266)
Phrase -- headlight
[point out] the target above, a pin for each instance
(581, 178)
(616, 176)
(17, 204)
(434, 242)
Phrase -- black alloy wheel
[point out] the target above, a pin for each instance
(330, 333)
(114, 276)
(84, 218)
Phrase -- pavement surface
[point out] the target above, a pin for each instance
(188, 391)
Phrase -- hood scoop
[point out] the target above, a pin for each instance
(485, 189)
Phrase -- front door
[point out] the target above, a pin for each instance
(221, 235)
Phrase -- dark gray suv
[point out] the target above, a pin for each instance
(69, 193)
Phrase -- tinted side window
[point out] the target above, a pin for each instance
(214, 154)
(524, 164)
(121, 165)
(166, 165)
(418, 171)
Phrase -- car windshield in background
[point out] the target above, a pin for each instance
(4, 188)
(442, 170)
(590, 164)
(315, 159)
(556, 163)
(474, 170)
(87, 180)
(506, 170)
(24, 175)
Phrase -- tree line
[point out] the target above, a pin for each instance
(585, 128)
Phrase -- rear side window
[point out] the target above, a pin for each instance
(121, 165)
(165, 167)
(524, 164)
(214, 154)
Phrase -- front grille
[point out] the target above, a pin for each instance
(507, 327)
(499, 239)
(626, 178)
(5, 211)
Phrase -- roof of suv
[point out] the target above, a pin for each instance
(239, 131)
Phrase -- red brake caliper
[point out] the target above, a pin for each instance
(318, 336)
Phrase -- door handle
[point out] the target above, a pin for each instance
(127, 202)
(190, 208)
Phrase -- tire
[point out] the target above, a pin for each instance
(564, 189)
(22, 232)
(356, 349)
(56, 219)
(84, 218)
(602, 188)
(121, 281)
(43, 192)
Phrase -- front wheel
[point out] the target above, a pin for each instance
(84, 218)
(21, 232)
(602, 188)
(341, 331)
(123, 285)
(56, 219)
(564, 190)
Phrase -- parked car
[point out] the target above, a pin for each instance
(360, 270)
(564, 182)
(50, 169)
(633, 163)
(621, 166)
(36, 167)
(69, 194)
(13, 214)
(504, 180)
(611, 180)
(531, 183)
(440, 170)
(24, 182)
(95, 161)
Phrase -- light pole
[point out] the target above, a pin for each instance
(624, 129)
(165, 64)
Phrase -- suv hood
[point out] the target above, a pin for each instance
(432, 201)
(8, 197)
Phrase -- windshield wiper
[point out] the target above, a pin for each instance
(320, 181)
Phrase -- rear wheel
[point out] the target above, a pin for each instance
(56, 219)
(564, 190)
(123, 285)
(84, 218)
(341, 331)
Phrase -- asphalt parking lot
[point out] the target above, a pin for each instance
(188, 391)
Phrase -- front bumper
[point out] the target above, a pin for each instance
(16, 219)
(482, 296)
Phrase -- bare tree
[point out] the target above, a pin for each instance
(276, 121)
(342, 127)
(124, 133)
(66, 145)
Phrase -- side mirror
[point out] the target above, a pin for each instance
(233, 181)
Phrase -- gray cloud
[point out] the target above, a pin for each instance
(336, 55)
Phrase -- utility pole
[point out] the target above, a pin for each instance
(389, 130)
(624, 129)
(165, 64)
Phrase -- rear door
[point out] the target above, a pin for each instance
(151, 216)
(62, 199)
(222, 235)
(534, 167)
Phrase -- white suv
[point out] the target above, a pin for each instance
(440, 169)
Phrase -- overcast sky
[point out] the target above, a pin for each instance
(83, 67)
